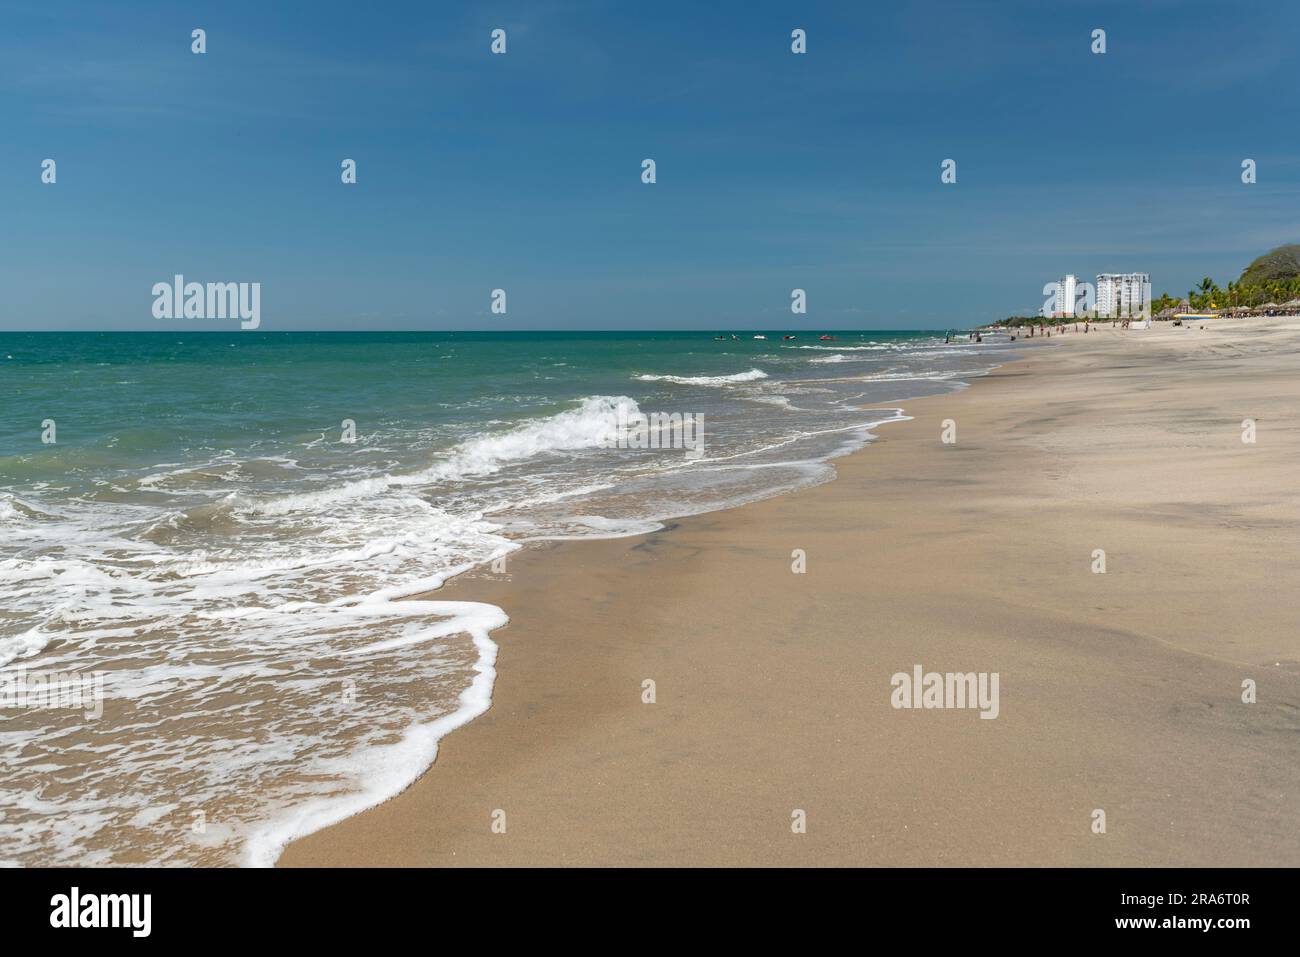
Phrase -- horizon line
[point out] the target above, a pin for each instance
(709, 332)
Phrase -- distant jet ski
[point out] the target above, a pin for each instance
(787, 338)
(826, 338)
(760, 337)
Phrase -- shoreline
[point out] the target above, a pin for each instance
(772, 688)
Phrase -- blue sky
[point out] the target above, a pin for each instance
(522, 171)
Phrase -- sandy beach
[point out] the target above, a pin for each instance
(1119, 691)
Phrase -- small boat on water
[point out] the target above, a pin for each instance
(826, 338)
(760, 337)
(787, 338)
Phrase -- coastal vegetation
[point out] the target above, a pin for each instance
(1273, 277)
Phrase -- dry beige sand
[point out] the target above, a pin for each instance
(1119, 691)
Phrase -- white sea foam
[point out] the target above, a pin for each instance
(384, 770)
(297, 594)
(711, 380)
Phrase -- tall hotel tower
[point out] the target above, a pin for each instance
(1065, 289)
(1123, 294)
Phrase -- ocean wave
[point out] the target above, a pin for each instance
(593, 424)
(713, 380)
(14, 509)
(880, 348)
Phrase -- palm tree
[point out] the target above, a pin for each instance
(1207, 290)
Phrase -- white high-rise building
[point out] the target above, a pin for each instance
(1065, 291)
(1123, 294)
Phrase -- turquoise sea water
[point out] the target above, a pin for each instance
(202, 531)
